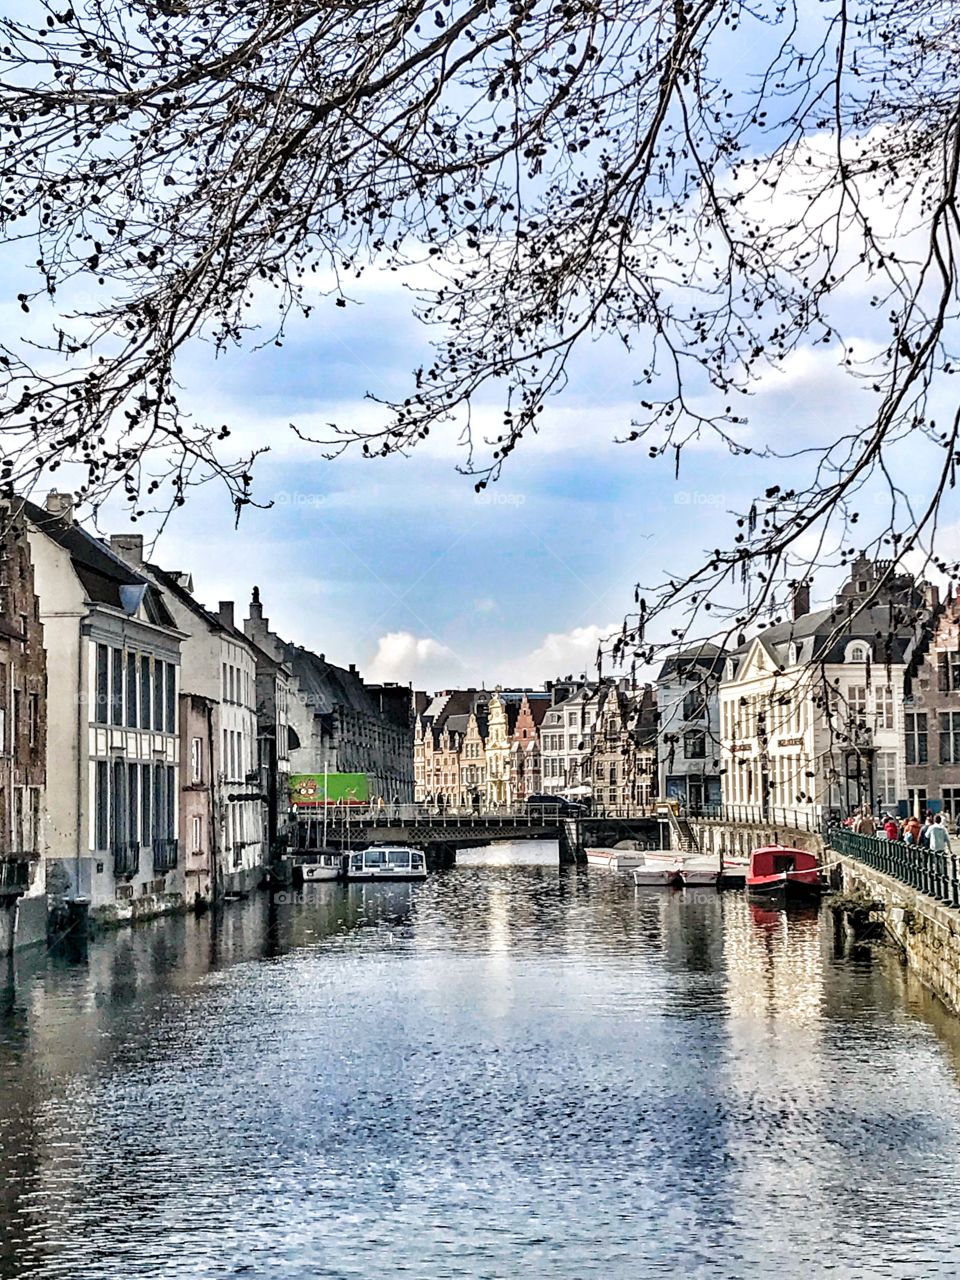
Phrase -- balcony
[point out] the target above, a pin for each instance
(14, 876)
(126, 858)
(165, 854)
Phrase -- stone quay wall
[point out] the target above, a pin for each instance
(927, 931)
(733, 840)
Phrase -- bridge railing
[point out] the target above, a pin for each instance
(935, 874)
(523, 815)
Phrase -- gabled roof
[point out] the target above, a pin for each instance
(823, 636)
(170, 582)
(105, 578)
(700, 659)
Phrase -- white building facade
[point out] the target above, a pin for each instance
(113, 742)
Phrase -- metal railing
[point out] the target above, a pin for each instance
(521, 815)
(165, 854)
(935, 874)
(14, 875)
(775, 815)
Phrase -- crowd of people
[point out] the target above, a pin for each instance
(933, 833)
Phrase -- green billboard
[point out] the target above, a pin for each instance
(309, 790)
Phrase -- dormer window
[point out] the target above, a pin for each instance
(857, 653)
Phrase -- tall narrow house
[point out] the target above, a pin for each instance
(113, 749)
(23, 740)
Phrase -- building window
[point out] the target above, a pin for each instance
(33, 714)
(132, 702)
(196, 836)
(116, 699)
(145, 687)
(146, 806)
(102, 692)
(102, 806)
(695, 745)
(118, 824)
(196, 760)
(694, 705)
(887, 778)
(133, 792)
(158, 695)
(171, 698)
(916, 737)
(948, 672)
(950, 737)
(885, 707)
(951, 802)
(170, 818)
(857, 702)
(857, 653)
(225, 689)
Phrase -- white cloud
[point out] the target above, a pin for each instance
(560, 653)
(417, 660)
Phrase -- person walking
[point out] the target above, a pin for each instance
(938, 837)
(891, 827)
(867, 825)
(911, 830)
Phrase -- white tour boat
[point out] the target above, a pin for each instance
(386, 862)
(328, 866)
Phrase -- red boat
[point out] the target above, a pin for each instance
(776, 871)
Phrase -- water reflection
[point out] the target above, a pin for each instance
(505, 1069)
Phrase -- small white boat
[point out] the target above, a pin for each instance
(328, 866)
(386, 862)
(623, 856)
(660, 874)
(677, 873)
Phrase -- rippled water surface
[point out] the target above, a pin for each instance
(508, 1070)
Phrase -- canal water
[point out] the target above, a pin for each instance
(509, 1070)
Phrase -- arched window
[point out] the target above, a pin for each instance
(857, 653)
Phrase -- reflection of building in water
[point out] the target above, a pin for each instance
(774, 963)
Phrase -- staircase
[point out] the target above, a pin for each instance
(682, 836)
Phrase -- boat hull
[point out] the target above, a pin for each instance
(793, 888)
(311, 873)
(659, 877)
(614, 859)
(386, 875)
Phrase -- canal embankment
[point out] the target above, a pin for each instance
(914, 894)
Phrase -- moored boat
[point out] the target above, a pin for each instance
(386, 862)
(325, 866)
(623, 856)
(659, 874)
(777, 871)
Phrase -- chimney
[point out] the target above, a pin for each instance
(353, 668)
(931, 597)
(128, 546)
(800, 598)
(226, 613)
(256, 608)
(60, 504)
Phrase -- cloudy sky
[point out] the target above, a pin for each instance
(400, 566)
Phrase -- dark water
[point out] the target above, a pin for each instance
(506, 1071)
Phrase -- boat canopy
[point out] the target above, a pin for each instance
(775, 859)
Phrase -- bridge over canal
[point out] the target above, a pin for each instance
(441, 832)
